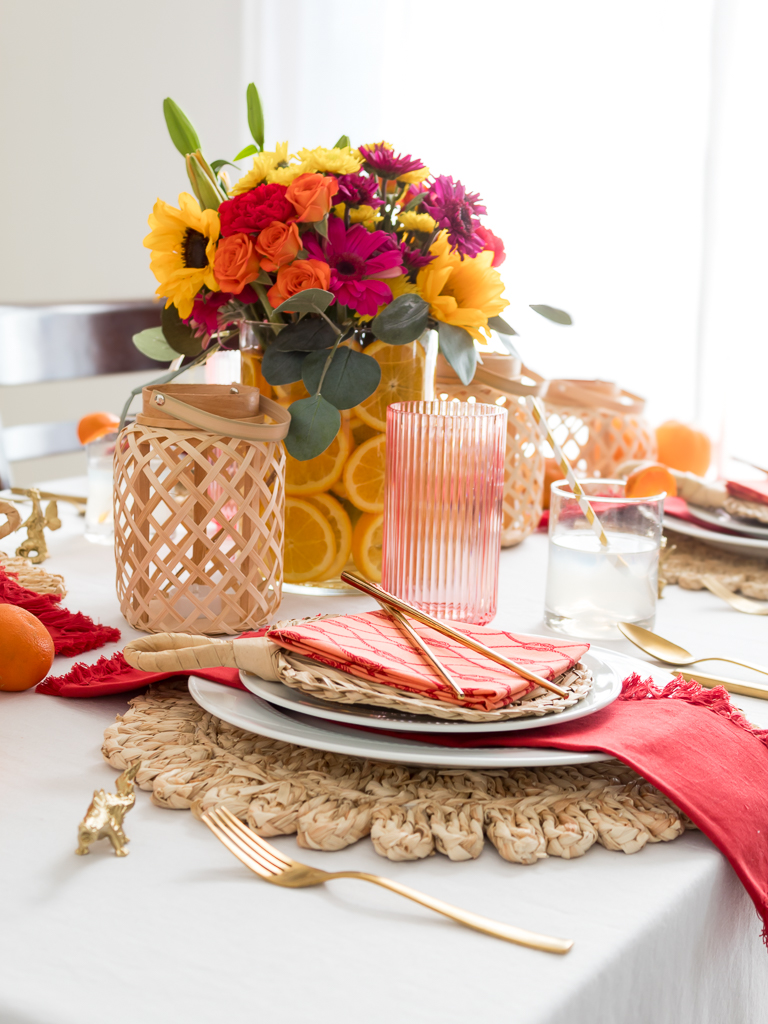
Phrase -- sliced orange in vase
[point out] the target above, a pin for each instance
(341, 525)
(310, 547)
(402, 380)
(367, 545)
(364, 475)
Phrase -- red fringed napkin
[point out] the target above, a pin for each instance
(72, 632)
(114, 675)
(749, 490)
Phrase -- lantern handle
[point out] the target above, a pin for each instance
(241, 429)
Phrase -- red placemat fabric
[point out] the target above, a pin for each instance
(72, 632)
(748, 490)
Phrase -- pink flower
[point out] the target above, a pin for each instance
(456, 211)
(205, 311)
(492, 243)
(359, 260)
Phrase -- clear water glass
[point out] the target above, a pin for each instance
(99, 510)
(590, 588)
(443, 507)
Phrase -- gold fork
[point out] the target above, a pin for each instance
(274, 867)
(741, 604)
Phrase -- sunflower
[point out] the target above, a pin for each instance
(338, 161)
(464, 292)
(183, 244)
(263, 165)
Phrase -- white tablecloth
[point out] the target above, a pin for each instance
(180, 931)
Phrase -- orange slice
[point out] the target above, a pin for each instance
(341, 525)
(402, 380)
(310, 548)
(648, 480)
(96, 425)
(322, 472)
(366, 545)
(364, 475)
(361, 431)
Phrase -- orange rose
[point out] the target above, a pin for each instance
(299, 276)
(278, 244)
(235, 263)
(311, 196)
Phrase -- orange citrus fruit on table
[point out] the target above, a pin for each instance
(402, 380)
(96, 425)
(319, 474)
(648, 480)
(310, 547)
(341, 525)
(26, 649)
(364, 475)
(683, 447)
(366, 545)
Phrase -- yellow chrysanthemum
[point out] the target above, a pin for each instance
(286, 175)
(462, 292)
(414, 177)
(413, 221)
(263, 164)
(183, 244)
(365, 215)
(338, 161)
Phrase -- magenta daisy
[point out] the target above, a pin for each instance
(386, 163)
(456, 211)
(358, 190)
(357, 264)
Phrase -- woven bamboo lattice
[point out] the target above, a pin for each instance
(192, 760)
(198, 529)
(523, 460)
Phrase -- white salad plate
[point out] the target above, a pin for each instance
(254, 714)
(606, 687)
(755, 546)
(719, 517)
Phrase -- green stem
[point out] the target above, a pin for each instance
(329, 360)
(166, 378)
(272, 316)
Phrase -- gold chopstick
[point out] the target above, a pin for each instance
(374, 591)
(410, 633)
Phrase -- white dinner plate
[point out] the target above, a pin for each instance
(719, 517)
(606, 686)
(755, 546)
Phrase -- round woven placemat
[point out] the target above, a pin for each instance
(191, 759)
(686, 560)
(746, 509)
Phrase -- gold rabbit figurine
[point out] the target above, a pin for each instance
(104, 818)
(34, 547)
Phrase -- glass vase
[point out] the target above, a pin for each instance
(340, 493)
(254, 338)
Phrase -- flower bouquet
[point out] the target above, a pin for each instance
(342, 269)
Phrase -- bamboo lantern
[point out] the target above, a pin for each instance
(598, 425)
(199, 491)
(497, 381)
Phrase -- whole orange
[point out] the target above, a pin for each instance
(96, 425)
(683, 447)
(26, 649)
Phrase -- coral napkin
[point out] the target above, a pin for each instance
(749, 490)
(371, 646)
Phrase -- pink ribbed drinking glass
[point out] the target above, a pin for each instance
(442, 507)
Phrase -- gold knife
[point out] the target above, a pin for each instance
(732, 685)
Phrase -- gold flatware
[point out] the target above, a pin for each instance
(671, 654)
(731, 685)
(271, 865)
(737, 601)
(744, 462)
(376, 592)
(411, 635)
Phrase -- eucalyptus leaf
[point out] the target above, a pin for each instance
(559, 316)
(255, 115)
(250, 150)
(500, 326)
(282, 367)
(314, 424)
(306, 335)
(179, 335)
(402, 321)
(311, 300)
(153, 344)
(507, 343)
(183, 135)
(349, 380)
(457, 346)
(343, 142)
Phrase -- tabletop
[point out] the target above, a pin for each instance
(181, 931)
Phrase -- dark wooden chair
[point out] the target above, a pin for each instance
(64, 342)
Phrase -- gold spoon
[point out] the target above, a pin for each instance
(671, 654)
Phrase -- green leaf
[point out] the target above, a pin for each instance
(403, 320)
(311, 300)
(321, 226)
(343, 141)
(306, 335)
(282, 367)
(349, 380)
(457, 346)
(507, 343)
(183, 135)
(216, 165)
(255, 115)
(414, 202)
(558, 315)
(208, 195)
(249, 150)
(314, 424)
(152, 343)
(179, 335)
(500, 326)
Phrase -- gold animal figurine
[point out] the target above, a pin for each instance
(12, 520)
(104, 818)
(34, 525)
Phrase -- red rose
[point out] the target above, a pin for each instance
(493, 244)
(255, 210)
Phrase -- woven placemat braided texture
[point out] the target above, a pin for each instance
(692, 559)
(191, 759)
(33, 577)
(746, 509)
